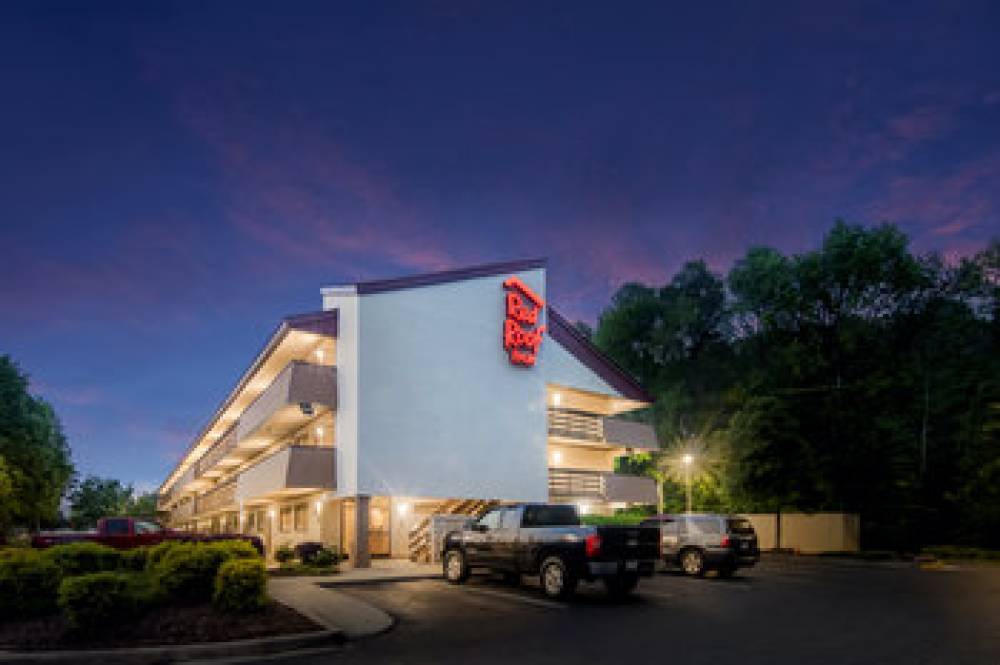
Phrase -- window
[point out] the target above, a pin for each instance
(509, 518)
(251, 523)
(146, 527)
(550, 516)
(116, 527)
(285, 519)
(301, 515)
(705, 526)
(490, 520)
(740, 525)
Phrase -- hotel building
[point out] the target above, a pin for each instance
(404, 398)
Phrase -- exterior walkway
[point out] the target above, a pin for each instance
(314, 598)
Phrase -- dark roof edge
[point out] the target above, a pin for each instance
(445, 276)
(323, 323)
(586, 352)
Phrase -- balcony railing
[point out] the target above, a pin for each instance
(218, 451)
(221, 497)
(592, 428)
(573, 484)
(299, 383)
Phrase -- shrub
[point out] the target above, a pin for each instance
(28, 583)
(234, 549)
(325, 557)
(284, 554)
(99, 601)
(187, 570)
(240, 585)
(82, 558)
(134, 559)
(156, 553)
(307, 551)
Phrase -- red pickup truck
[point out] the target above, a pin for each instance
(127, 532)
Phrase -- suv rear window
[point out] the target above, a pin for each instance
(739, 525)
(550, 516)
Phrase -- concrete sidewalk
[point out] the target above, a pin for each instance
(315, 597)
(329, 608)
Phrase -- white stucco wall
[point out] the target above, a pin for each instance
(441, 411)
(560, 367)
(346, 422)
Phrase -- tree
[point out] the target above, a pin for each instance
(96, 497)
(35, 453)
(142, 505)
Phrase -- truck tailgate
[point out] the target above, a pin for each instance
(625, 542)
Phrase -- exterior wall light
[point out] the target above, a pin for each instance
(583, 508)
(319, 506)
(557, 457)
(403, 508)
(319, 355)
(556, 399)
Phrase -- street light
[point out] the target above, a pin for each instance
(688, 459)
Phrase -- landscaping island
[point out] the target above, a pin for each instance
(85, 595)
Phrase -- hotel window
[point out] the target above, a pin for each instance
(251, 522)
(285, 520)
(301, 515)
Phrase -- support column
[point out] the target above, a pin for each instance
(361, 555)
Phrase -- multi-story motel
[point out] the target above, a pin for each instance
(404, 398)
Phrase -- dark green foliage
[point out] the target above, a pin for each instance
(98, 602)
(240, 585)
(325, 557)
(28, 584)
(35, 465)
(855, 377)
(284, 554)
(186, 571)
(134, 559)
(156, 553)
(94, 498)
(84, 557)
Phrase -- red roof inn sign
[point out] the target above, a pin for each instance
(521, 335)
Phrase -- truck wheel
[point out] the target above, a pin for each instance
(456, 570)
(693, 562)
(557, 581)
(621, 585)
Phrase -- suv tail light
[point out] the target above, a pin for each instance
(724, 542)
(592, 545)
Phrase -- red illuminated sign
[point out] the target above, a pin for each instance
(521, 337)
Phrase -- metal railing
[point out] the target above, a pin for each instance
(575, 425)
(220, 497)
(572, 483)
(219, 450)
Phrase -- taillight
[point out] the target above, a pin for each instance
(593, 545)
(724, 542)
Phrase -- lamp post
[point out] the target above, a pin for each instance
(688, 459)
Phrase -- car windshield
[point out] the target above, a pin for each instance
(550, 516)
(740, 525)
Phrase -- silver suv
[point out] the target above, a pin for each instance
(698, 542)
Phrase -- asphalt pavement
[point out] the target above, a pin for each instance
(777, 613)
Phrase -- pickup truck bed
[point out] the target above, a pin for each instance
(548, 540)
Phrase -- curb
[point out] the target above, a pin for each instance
(181, 652)
(416, 577)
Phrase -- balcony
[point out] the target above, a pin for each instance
(225, 445)
(293, 469)
(589, 428)
(223, 496)
(572, 485)
(298, 384)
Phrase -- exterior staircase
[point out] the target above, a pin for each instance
(420, 535)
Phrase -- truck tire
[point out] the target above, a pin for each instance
(557, 580)
(456, 568)
(620, 586)
(693, 562)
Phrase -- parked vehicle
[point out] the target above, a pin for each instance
(701, 542)
(127, 532)
(548, 540)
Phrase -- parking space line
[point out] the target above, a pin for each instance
(529, 600)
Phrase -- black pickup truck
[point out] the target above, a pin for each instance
(548, 540)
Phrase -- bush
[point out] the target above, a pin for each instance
(187, 571)
(134, 559)
(240, 585)
(156, 553)
(284, 554)
(325, 557)
(28, 583)
(83, 558)
(307, 551)
(99, 601)
(955, 552)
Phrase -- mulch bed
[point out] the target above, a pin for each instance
(185, 624)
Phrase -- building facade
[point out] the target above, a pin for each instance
(406, 398)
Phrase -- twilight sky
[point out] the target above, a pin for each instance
(174, 177)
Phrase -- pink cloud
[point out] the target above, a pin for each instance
(922, 123)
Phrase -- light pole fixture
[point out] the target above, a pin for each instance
(688, 459)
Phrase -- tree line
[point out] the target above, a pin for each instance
(855, 377)
(39, 486)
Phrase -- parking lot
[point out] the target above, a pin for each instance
(820, 612)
